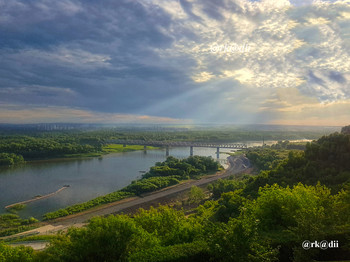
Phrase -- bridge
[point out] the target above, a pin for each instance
(168, 144)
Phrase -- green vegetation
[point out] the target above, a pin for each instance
(151, 184)
(112, 148)
(270, 227)
(43, 147)
(269, 157)
(185, 168)
(16, 208)
(266, 158)
(196, 195)
(81, 155)
(18, 254)
(303, 196)
(31, 238)
(167, 173)
(221, 134)
(10, 159)
(345, 130)
(171, 172)
(326, 160)
(12, 224)
(225, 185)
(27, 145)
(112, 197)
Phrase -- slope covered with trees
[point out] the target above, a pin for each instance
(260, 218)
(326, 160)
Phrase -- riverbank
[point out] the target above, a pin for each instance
(107, 149)
(237, 165)
(163, 175)
(111, 148)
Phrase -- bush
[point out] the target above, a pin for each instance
(151, 184)
(112, 197)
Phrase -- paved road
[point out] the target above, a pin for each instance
(237, 165)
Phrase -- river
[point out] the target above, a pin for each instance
(88, 177)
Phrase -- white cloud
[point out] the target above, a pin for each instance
(202, 77)
(276, 58)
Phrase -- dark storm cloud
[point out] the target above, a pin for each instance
(104, 53)
(44, 23)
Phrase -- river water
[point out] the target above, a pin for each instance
(88, 178)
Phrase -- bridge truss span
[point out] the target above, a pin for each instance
(177, 144)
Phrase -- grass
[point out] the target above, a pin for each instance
(112, 197)
(32, 238)
(11, 224)
(16, 208)
(112, 148)
(237, 153)
(92, 154)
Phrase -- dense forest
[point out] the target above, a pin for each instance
(327, 161)
(305, 195)
(45, 147)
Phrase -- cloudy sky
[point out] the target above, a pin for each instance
(175, 61)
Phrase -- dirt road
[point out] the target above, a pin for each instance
(237, 164)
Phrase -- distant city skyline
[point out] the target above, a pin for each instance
(175, 62)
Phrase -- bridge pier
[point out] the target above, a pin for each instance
(191, 150)
(218, 152)
(167, 151)
(145, 149)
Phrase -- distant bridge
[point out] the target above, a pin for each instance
(168, 144)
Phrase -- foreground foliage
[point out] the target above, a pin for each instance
(268, 228)
(12, 223)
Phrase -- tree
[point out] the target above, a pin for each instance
(345, 130)
(15, 254)
(238, 241)
(105, 239)
(196, 195)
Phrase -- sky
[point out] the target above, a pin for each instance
(175, 61)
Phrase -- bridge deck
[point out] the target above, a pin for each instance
(176, 144)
